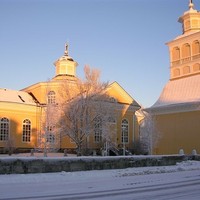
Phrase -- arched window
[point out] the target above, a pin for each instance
(51, 135)
(98, 129)
(175, 54)
(176, 72)
(196, 47)
(51, 97)
(124, 131)
(196, 67)
(186, 51)
(4, 129)
(26, 135)
(186, 70)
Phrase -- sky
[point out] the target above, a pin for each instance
(124, 39)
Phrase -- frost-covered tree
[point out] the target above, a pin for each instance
(85, 108)
(49, 137)
(104, 124)
(10, 145)
(149, 134)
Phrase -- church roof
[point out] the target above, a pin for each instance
(121, 95)
(15, 96)
(180, 91)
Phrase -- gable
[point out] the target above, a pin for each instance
(117, 92)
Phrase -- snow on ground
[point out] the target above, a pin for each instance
(81, 175)
(36, 155)
(101, 184)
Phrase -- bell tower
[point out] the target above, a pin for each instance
(190, 19)
(185, 49)
(65, 65)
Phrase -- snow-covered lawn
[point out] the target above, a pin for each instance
(104, 184)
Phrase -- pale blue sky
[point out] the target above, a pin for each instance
(125, 39)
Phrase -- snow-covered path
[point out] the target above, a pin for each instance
(173, 182)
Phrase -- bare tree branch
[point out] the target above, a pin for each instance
(81, 102)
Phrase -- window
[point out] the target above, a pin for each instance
(195, 23)
(26, 135)
(187, 24)
(175, 54)
(98, 130)
(51, 97)
(196, 67)
(186, 51)
(196, 47)
(186, 70)
(124, 128)
(4, 129)
(176, 72)
(50, 135)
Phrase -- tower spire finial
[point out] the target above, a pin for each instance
(191, 5)
(66, 49)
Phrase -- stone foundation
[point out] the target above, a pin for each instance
(69, 164)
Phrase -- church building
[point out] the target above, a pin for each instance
(177, 111)
(23, 118)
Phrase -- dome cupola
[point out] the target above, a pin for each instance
(65, 65)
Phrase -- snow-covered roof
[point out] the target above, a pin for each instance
(15, 96)
(180, 92)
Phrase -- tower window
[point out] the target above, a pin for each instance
(186, 70)
(186, 51)
(175, 54)
(176, 72)
(195, 47)
(196, 67)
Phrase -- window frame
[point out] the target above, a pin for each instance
(26, 131)
(4, 131)
(51, 97)
(98, 130)
(50, 136)
(125, 131)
